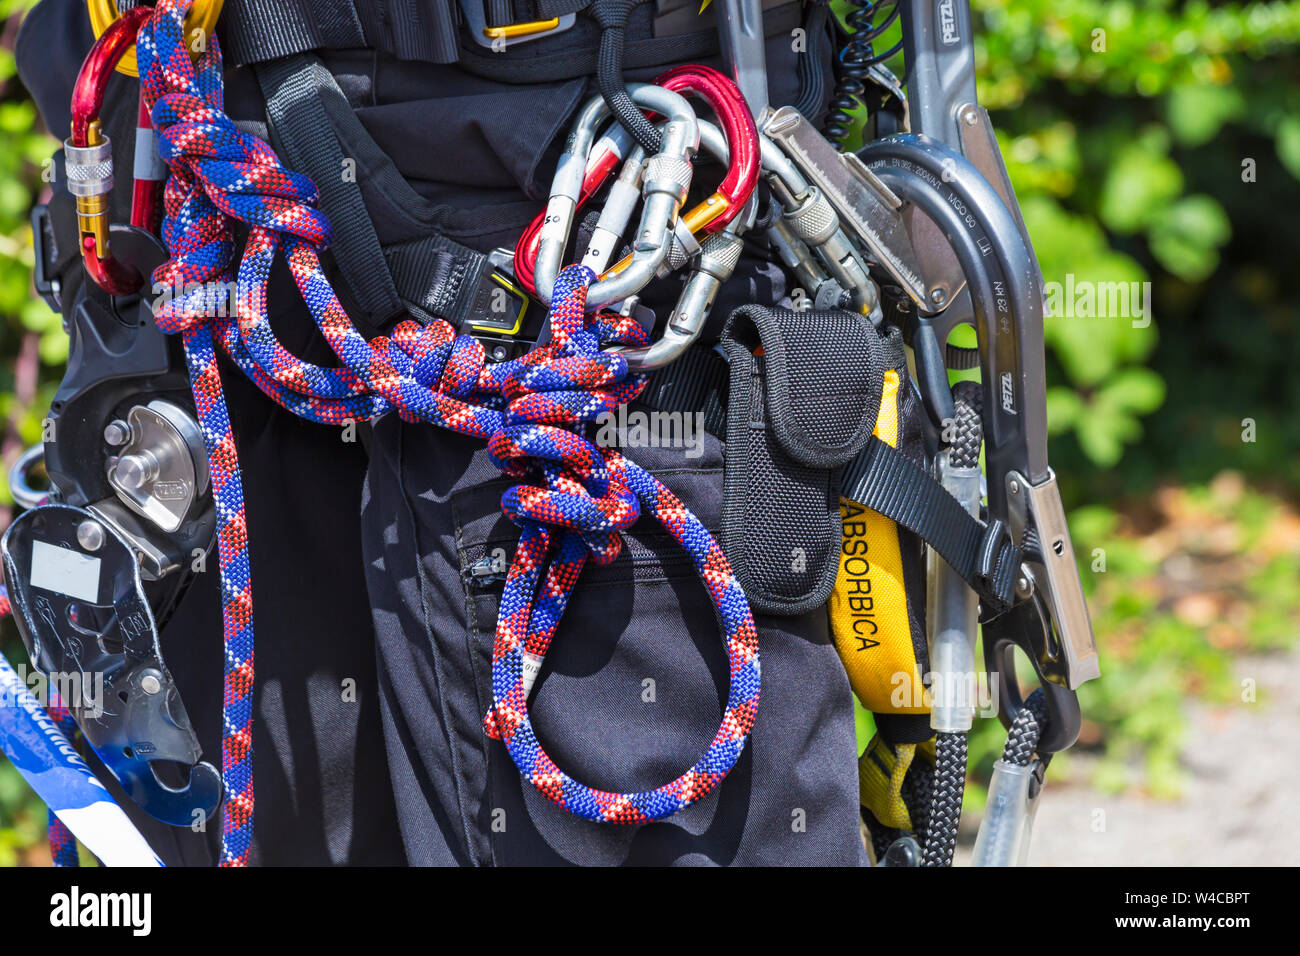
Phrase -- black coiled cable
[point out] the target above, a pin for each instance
(856, 56)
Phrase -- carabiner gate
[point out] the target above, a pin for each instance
(665, 181)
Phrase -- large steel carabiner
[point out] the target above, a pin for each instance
(666, 179)
(88, 155)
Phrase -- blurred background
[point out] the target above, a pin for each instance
(1148, 141)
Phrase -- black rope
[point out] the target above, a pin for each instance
(612, 16)
(1026, 730)
(950, 751)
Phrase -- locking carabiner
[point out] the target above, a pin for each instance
(742, 157)
(665, 181)
(711, 265)
(737, 125)
(604, 156)
(88, 155)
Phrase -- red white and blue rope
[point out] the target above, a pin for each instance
(533, 413)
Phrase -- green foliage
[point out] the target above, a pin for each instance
(1127, 128)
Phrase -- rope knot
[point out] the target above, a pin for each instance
(217, 173)
(553, 394)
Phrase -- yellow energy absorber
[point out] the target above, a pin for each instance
(868, 608)
(881, 770)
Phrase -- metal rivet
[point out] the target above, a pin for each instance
(937, 295)
(90, 535)
(1014, 487)
(970, 117)
(150, 684)
(117, 433)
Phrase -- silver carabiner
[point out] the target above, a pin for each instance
(666, 179)
(812, 220)
(711, 266)
(616, 213)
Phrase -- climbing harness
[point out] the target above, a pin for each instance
(837, 438)
(530, 413)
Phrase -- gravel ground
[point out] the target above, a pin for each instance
(1238, 808)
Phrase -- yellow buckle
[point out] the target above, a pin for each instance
(203, 17)
(516, 30)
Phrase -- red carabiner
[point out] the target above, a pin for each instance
(89, 159)
(709, 216)
(737, 125)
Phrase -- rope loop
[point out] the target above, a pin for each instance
(574, 500)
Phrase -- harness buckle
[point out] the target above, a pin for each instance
(503, 317)
(500, 37)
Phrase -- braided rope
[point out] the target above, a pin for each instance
(945, 799)
(532, 412)
(63, 845)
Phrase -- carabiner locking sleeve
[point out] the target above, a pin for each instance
(89, 154)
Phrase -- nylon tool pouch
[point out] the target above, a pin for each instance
(808, 391)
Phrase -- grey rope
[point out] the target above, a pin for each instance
(1026, 729)
(950, 749)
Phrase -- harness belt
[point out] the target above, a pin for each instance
(257, 31)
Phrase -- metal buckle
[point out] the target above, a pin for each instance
(499, 38)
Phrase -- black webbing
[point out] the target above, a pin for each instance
(695, 382)
(316, 133)
(258, 31)
(304, 138)
(891, 484)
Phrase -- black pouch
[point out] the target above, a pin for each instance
(630, 694)
(805, 392)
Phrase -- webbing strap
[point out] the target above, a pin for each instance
(301, 128)
(893, 485)
(317, 132)
(695, 382)
(259, 31)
